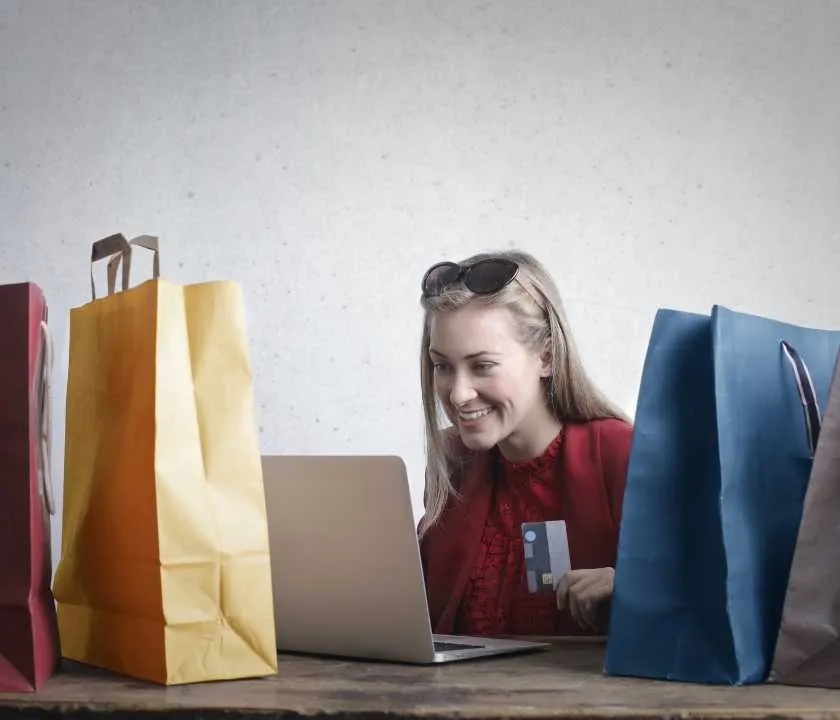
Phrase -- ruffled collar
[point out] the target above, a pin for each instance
(538, 468)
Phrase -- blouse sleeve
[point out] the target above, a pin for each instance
(616, 439)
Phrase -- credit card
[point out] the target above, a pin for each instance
(546, 550)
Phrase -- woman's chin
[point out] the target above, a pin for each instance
(478, 441)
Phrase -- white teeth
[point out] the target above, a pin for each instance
(475, 414)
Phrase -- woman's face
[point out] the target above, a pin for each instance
(488, 381)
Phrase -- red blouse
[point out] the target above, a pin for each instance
(473, 559)
(496, 598)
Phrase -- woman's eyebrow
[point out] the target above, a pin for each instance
(471, 356)
(482, 353)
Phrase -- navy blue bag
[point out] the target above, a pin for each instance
(726, 425)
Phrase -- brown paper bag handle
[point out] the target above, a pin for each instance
(42, 401)
(149, 242)
(107, 248)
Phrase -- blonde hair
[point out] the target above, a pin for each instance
(570, 393)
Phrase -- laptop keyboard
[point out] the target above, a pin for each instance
(441, 646)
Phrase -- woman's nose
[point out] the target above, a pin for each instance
(462, 390)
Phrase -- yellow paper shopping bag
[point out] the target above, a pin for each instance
(164, 572)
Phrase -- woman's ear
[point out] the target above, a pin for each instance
(545, 362)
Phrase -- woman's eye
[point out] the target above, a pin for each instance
(484, 366)
(439, 367)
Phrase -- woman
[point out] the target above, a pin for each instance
(532, 439)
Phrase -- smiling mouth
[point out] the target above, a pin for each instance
(474, 414)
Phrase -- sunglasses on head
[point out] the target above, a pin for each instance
(484, 277)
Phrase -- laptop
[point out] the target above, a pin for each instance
(345, 562)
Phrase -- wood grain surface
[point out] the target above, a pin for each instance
(564, 681)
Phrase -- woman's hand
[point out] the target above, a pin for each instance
(587, 594)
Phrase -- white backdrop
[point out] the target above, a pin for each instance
(324, 153)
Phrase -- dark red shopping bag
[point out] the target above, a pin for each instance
(28, 637)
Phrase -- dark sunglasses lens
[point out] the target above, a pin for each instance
(438, 277)
(490, 276)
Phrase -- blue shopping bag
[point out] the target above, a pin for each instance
(726, 424)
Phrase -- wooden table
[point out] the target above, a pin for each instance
(564, 681)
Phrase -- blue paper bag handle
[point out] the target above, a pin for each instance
(807, 394)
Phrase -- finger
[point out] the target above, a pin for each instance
(573, 577)
(567, 595)
(599, 590)
(593, 591)
(583, 582)
(585, 608)
(573, 608)
(595, 604)
(576, 611)
(588, 611)
(599, 614)
(561, 592)
(591, 603)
